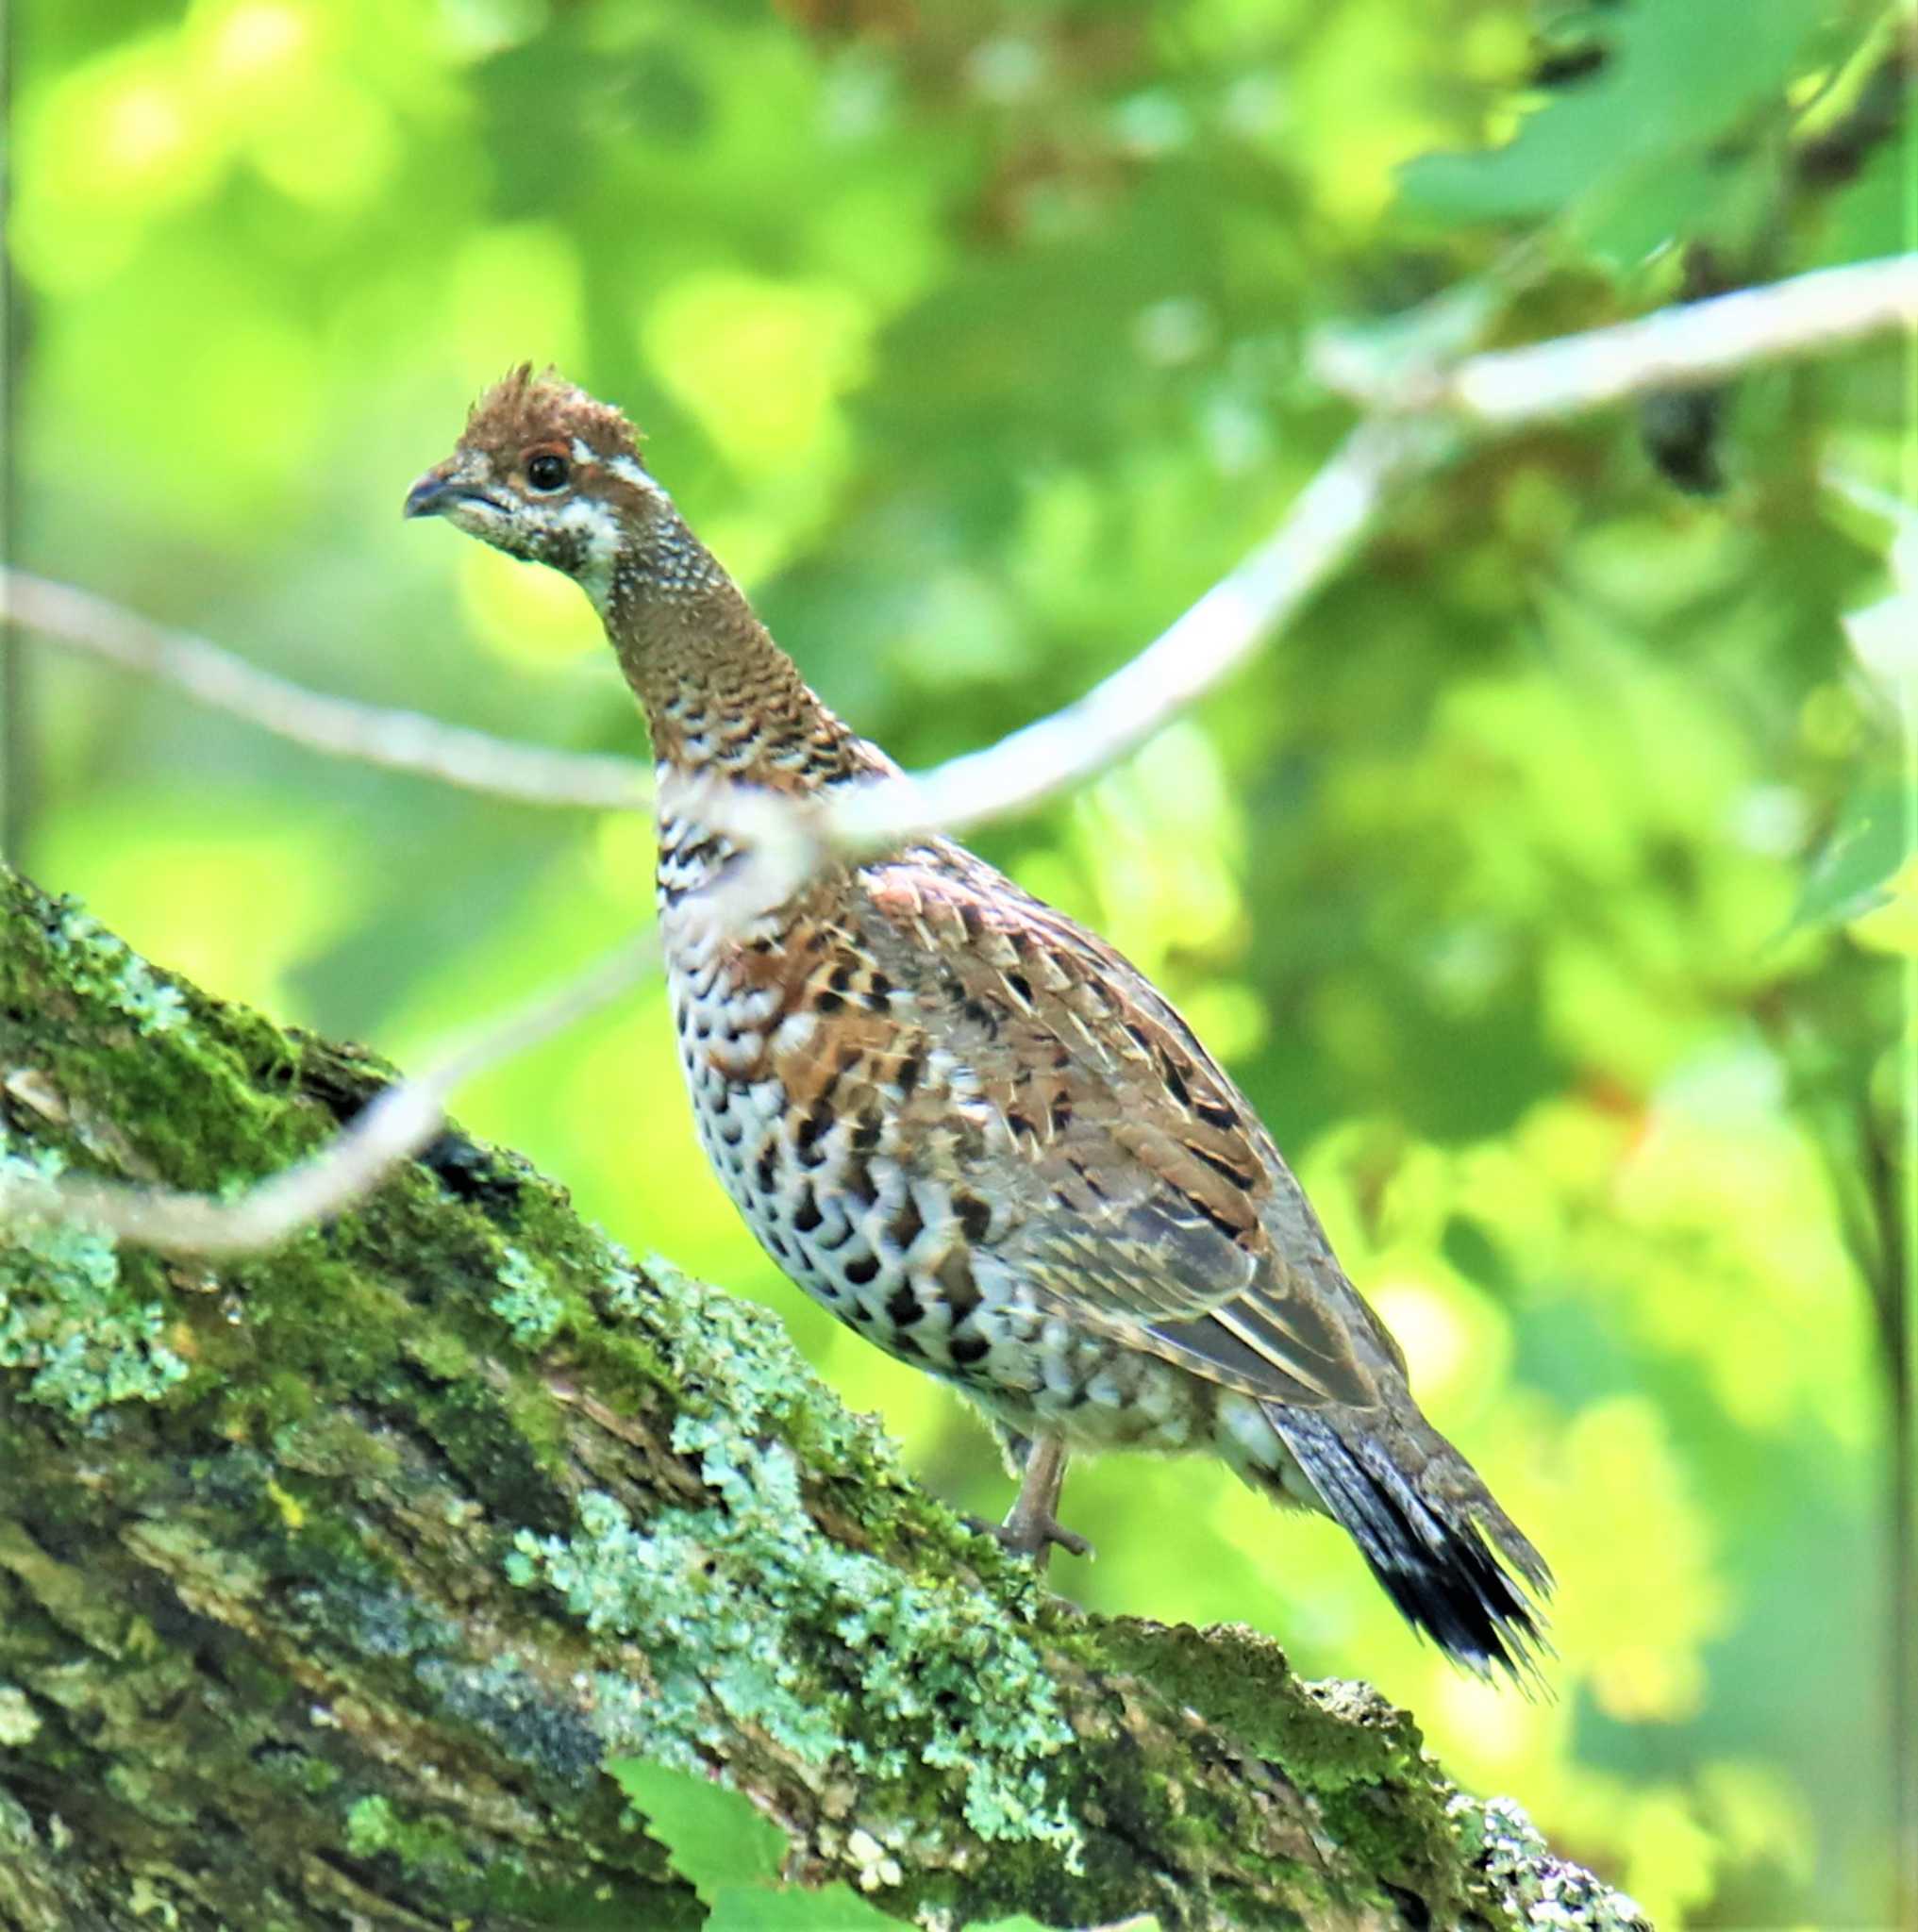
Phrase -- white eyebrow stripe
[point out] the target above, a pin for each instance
(628, 471)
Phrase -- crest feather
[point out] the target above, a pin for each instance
(521, 408)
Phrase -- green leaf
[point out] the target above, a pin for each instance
(1473, 1251)
(1145, 1922)
(1851, 875)
(834, 1909)
(1869, 216)
(714, 1835)
(1632, 151)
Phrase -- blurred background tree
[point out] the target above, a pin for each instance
(1542, 889)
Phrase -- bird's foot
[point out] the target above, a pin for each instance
(1031, 1535)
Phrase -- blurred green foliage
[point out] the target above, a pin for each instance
(1542, 886)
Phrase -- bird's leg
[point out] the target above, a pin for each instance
(1031, 1527)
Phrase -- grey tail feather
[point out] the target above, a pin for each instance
(1427, 1541)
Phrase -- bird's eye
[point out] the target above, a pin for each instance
(548, 471)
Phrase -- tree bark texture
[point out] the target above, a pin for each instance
(330, 1578)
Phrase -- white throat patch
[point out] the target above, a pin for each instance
(597, 524)
(627, 471)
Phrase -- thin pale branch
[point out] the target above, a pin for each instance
(1415, 425)
(391, 1128)
(1410, 432)
(1479, 398)
(1202, 647)
(1676, 348)
(400, 741)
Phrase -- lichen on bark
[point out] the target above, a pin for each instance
(330, 1578)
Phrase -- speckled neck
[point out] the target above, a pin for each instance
(719, 694)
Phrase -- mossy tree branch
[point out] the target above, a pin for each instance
(330, 1578)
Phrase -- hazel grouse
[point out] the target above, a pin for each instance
(966, 1125)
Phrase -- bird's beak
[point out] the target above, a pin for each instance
(431, 495)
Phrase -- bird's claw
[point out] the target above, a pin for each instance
(1032, 1537)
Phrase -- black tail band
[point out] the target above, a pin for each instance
(1429, 1553)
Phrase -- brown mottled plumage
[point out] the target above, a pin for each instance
(969, 1128)
(522, 412)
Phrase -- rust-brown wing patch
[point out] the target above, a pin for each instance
(1134, 1187)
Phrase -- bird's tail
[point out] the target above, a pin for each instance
(1429, 1528)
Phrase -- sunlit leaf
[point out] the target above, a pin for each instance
(831, 1909)
(1852, 872)
(715, 1836)
(1628, 151)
